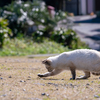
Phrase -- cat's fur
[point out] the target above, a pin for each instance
(82, 59)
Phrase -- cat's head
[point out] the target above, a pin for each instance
(48, 65)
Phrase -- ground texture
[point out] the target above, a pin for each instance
(19, 81)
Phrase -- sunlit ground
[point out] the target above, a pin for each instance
(19, 81)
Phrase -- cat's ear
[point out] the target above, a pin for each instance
(47, 62)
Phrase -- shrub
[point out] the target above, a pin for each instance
(65, 37)
(4, 31)
(22, 15)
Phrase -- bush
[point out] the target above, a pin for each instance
(22, 15)
(25, 16)
(4, 31)
(65, 37)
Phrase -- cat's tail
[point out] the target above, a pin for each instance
(94, 73)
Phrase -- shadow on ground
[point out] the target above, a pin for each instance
(93, 20)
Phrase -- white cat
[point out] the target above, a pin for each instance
(82, 59)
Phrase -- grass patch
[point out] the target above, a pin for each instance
(26, 46)
(23, 47)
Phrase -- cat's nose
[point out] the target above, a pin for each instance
(43, 62)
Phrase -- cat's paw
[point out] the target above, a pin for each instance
(72, 79)
(40, 75)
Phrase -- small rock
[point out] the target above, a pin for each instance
(24, 90)
(29, 76)
(87, 84)
(86, 97)
(4, 95)
(10, 77)
(1, 78)
(43, 94)
(71, 84)
(57, 89)
(92, 81)
(22, 81)
(96, 96)
(50, 83)
(47, 95)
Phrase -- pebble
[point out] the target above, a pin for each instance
(22, 81)
(92, 81)
(87, 84)
(4, 95)
(53, 84)
(71, 84)
(43, 94)
(57, 89)
(47, 95)
(96, 96)
(24, 90)
(10, 77)
(91, 89)
(29, 76)
(50, 83)
(1, 78)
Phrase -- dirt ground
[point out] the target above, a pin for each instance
(19, 81)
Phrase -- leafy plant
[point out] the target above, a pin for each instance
(4, 31)
(22, 15)
(65, 37)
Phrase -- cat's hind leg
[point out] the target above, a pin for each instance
(87, 75)
(47, 74)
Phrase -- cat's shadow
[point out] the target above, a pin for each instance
(51, 79)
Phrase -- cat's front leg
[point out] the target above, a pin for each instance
(73, 72)
(47, 74)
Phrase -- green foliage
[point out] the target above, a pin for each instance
(26, 46)
(4, 31)
(22, 15)
(65, 37)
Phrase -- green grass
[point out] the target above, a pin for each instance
(23, 47)
(26, 46)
